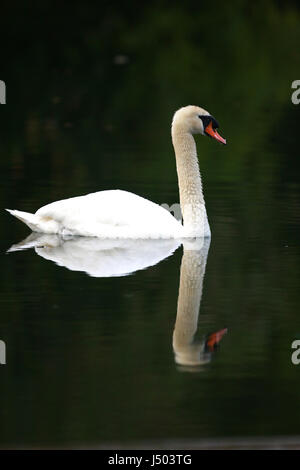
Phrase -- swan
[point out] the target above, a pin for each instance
(121, 214)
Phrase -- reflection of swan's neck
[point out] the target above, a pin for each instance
(189, 179)
(190, 292)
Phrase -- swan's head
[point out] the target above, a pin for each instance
(194, 354)
(195, 120)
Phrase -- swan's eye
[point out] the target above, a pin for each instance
(215, 124)
(207, 119)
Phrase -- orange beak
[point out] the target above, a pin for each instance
(214, 339)
(213, 133)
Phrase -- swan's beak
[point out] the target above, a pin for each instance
(213, 133)
(214, 339)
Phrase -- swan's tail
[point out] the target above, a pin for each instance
(27, 218)
(36, 240)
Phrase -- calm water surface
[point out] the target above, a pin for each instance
(91, 359)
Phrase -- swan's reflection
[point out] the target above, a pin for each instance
(191, 354)
(99, 257)
(108, 257)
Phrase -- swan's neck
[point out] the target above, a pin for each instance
(190, 184)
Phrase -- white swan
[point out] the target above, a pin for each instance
(121, 214)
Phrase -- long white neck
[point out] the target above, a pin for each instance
(190, 184)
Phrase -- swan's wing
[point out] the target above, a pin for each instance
(111, 214)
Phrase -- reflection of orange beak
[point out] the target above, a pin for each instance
(213, 133)
(214, 339)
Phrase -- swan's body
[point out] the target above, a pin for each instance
(105, 214)
(121, 214)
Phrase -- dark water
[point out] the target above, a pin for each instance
(91, 359)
